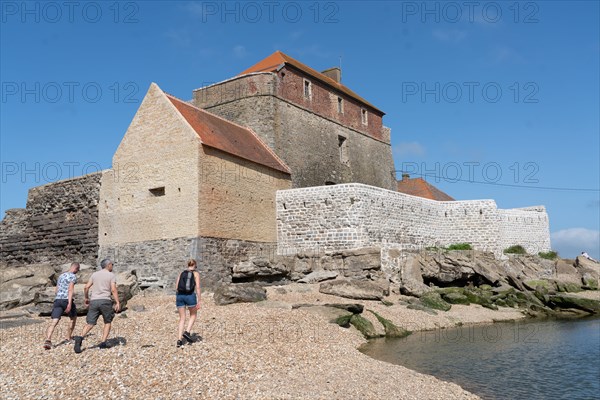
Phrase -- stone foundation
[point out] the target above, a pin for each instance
(159, 262)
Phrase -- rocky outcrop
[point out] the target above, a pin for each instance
(319, 276)
(410, 277)
(239, 293)
(19, 285)
(260, 269)
(589, 271)
(457, 268)
(354, 289)
(566, 302)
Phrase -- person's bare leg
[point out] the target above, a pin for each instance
(181, 326)
(193, 313)
(51, 328)
(105, 332)
(71, 328)
(86, 329)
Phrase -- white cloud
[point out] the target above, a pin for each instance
(409, 149)
(571, 242)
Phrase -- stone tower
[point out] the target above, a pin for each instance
(322, 130)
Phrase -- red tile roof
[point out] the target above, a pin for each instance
(419, 187)
(272, 63)
(226, 136)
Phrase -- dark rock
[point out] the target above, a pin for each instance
(514, 281)
(239, 293)
(354, 308)
(568, 302)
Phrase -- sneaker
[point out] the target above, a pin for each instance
(47, 345)
(180, 343)
(103, 345)
(188, 337)
(78, 341)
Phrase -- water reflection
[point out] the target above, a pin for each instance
(557, 359)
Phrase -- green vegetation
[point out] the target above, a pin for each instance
(364, 326)
(391, 330)
(568, 287)
(454, 246)
(591, 283)
(434, 300)
(550, 255)
(459, 246)
(344, 320)
(516, 249)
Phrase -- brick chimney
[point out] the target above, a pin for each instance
(405, 177)
(334, 73)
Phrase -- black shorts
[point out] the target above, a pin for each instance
(97, 307)
(59, 307)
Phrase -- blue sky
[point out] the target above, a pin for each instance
(498, 99)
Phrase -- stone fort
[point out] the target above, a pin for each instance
(279, 160)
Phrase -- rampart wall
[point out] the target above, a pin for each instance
(59, 224)
(352, 216)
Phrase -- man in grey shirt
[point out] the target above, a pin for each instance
(103, 283)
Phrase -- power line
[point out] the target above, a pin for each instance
(453, 180)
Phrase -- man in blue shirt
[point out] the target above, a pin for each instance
(63, 303)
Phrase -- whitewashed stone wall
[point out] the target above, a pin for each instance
(348, 216)
(528, 227)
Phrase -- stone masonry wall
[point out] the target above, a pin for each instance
(159, 151)
(307, 139)
(353, 216)
(58, 225)
(158, 262)
(528, 227)
(237, 197)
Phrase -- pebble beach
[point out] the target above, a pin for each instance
(263, 350)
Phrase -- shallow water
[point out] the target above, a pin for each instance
(538, 359)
